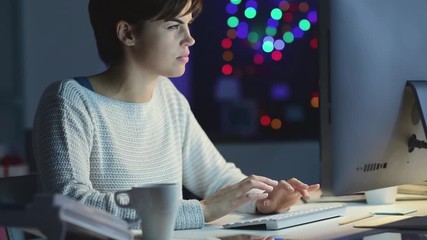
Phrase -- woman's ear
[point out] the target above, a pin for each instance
(124, 33)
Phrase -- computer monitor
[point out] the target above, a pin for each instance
(368, 50)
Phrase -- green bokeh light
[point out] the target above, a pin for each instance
(276, 14)
(232, 22)
(288, 37)
(270, 31)
(305, 25)
(236, 2)
(253, 37)
(250, 12)
(268, 46)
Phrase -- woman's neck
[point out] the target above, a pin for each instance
(125, 84)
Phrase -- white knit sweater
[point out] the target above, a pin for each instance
(88, 146)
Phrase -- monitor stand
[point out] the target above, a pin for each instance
(419, 89)
(388, 195)
(381, 196)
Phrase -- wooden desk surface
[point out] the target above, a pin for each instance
(327, 229)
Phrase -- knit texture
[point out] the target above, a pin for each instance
(88, 146)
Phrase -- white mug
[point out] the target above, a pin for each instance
(156, 205)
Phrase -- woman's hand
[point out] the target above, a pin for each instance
(284, 195)
(232, 197)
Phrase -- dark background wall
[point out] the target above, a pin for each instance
(48, 40)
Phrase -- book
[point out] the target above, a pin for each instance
(418, 188)
(57, 216)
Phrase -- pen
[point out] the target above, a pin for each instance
(354, 219)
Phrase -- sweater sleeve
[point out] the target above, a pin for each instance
(205, 169)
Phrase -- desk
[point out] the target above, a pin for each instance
(327, 229)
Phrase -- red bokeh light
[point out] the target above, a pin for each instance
(258, 59)
(265, 121)
(227, 69)
(226, 43)
(276, 55)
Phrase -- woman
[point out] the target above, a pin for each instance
(129, 125)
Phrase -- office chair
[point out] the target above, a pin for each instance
(18, 191)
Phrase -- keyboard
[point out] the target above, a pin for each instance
(298, 215)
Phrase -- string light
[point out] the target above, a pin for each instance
(250, 13)
(265, 120)
(276, 55)
(288, 37)
(226, 43)
(232, 22)
(279, 22)
(258, 59)
(276, 124)
(227, 69)
(285, 23)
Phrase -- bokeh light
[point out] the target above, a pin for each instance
(304, 7)
(288, 17)
(231, 33)
(253, 37)
(258, 59)
(276, 124)
(250, 13)
(227, 69)
(242, 30)
(312, 16)
(270, 31)
(268, 46)
(265, 121)
(276, 14)
(232, 22)
(284, 5)
(305, 25)
(227, 56)
(272, 23)
(276, 55)
(297, 32)
(252, 4)
(288, 37)
(280, 92)
(314, 43)
(279, 44)
(226, 43)
(231, 9)
(315, 99)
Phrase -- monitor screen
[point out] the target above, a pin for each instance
(368, 51)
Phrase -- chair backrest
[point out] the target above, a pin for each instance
(19, 189)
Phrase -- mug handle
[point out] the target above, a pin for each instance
(126, 192)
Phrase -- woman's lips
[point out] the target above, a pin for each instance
(184, 59)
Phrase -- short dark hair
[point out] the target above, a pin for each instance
(105, 14)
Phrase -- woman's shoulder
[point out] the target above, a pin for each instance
(169, 90)
(67, 88)
(166, 83)
(168, 87)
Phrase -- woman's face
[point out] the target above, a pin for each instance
(163, 46)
